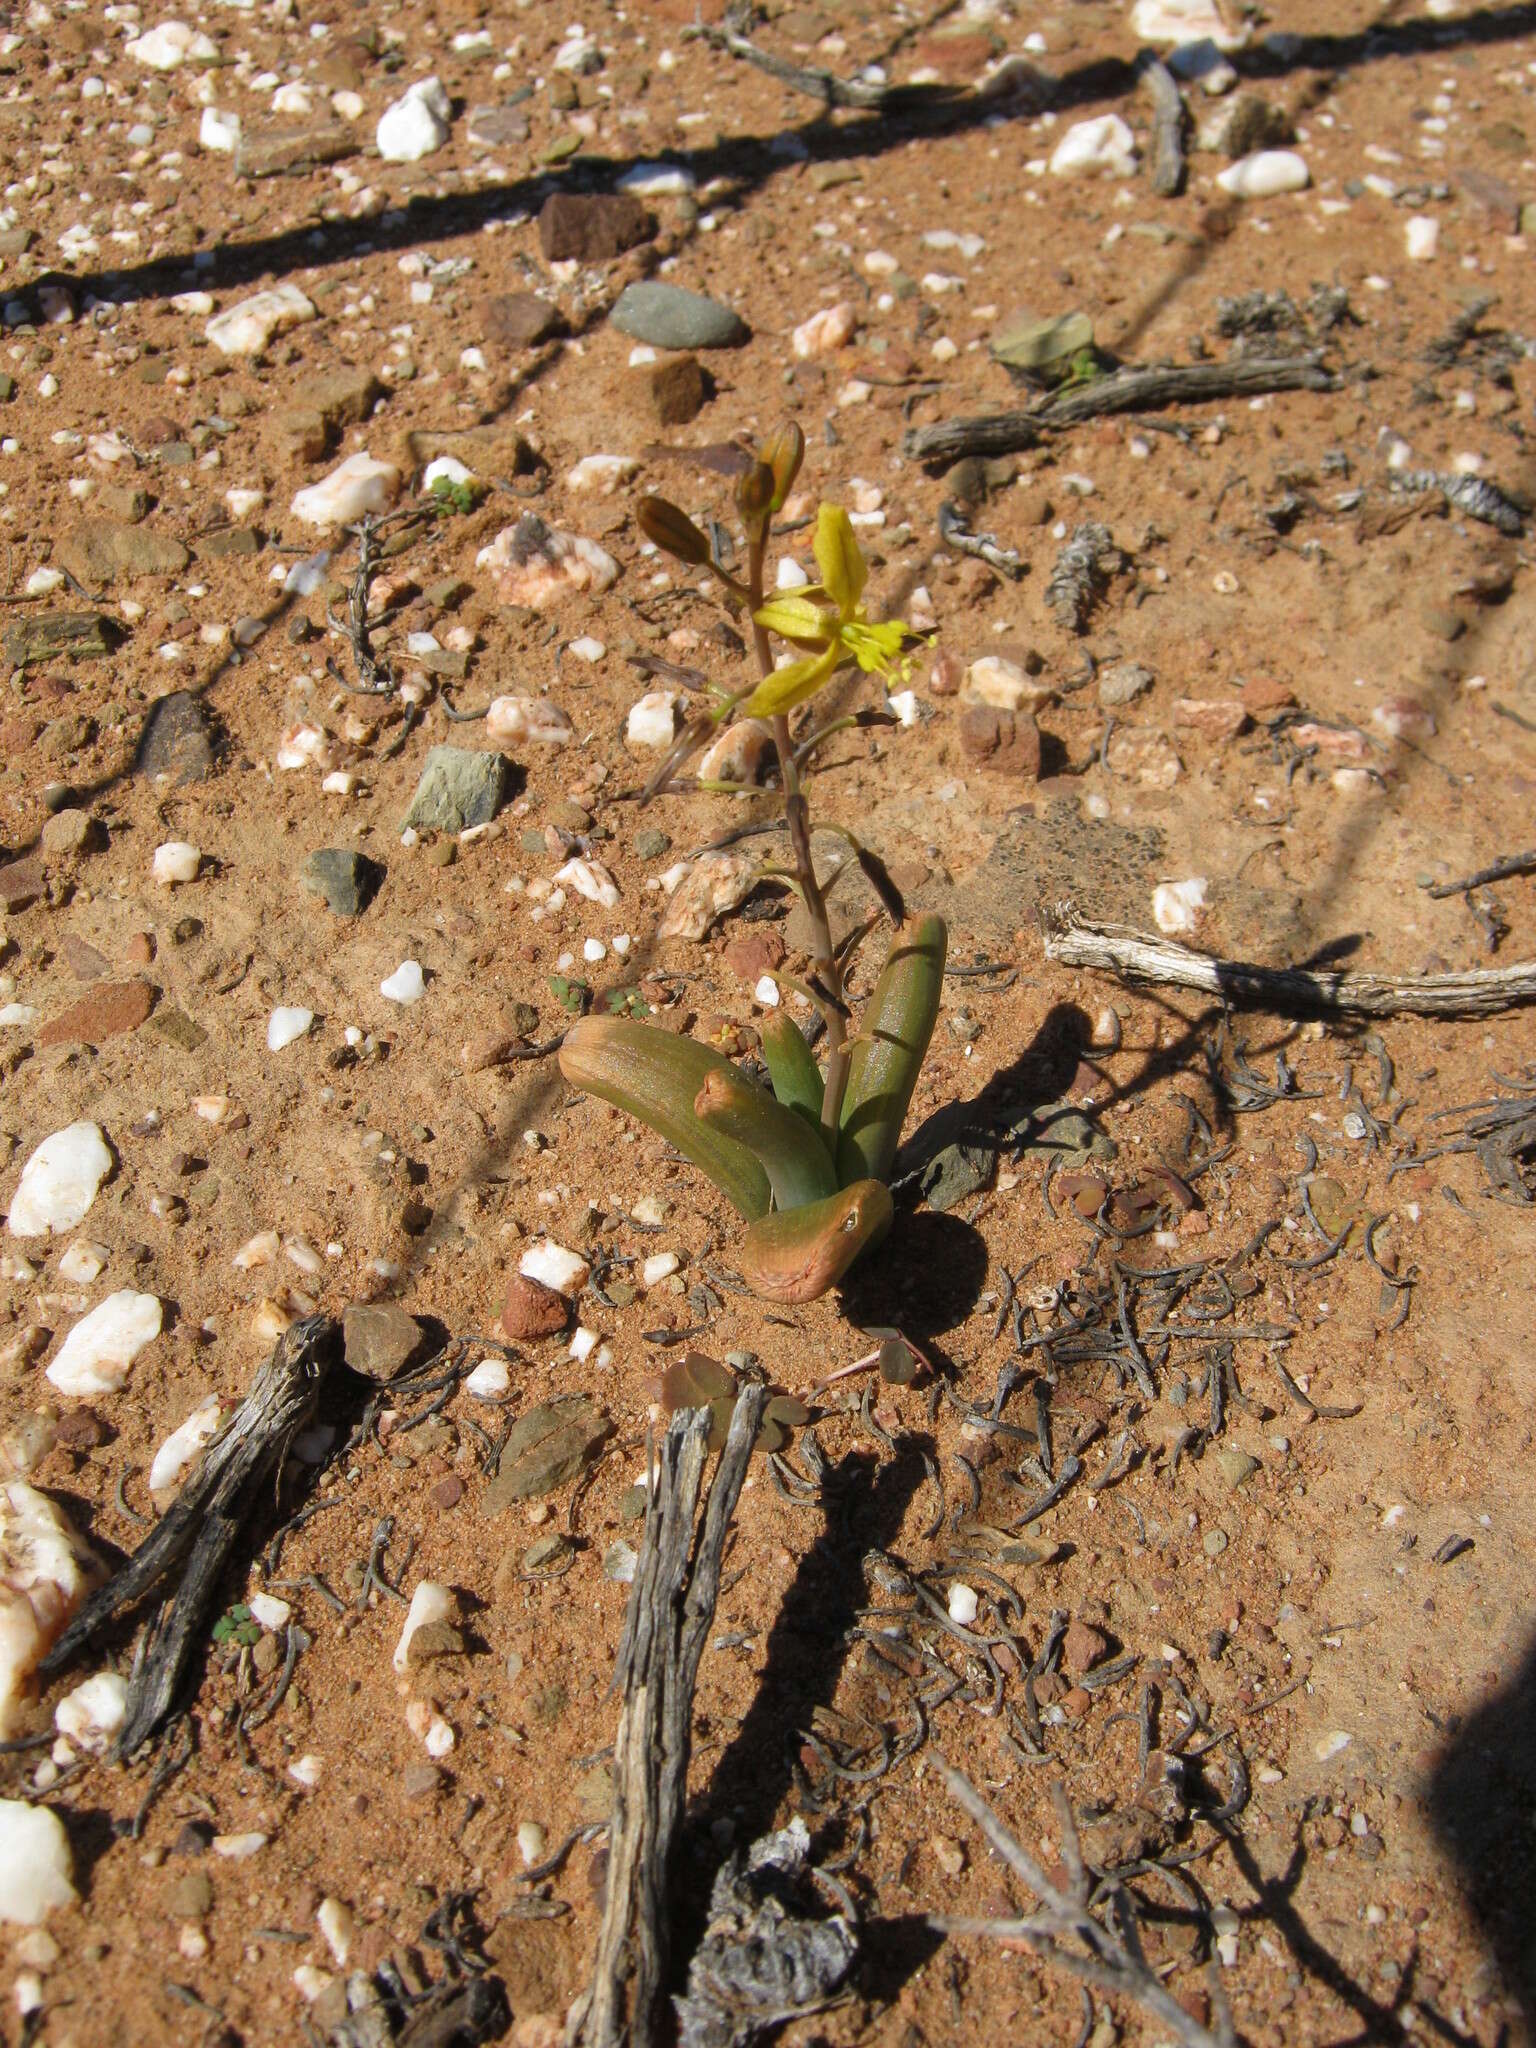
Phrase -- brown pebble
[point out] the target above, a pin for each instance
(448, 1492)
(421, 1781)
(1076, 1703)
(1007, 741)
(1263, 696)
(107, 1012)
(140, 949)
(753, 955)
(82, 1429)
(533, 1310)
(1082, 1647)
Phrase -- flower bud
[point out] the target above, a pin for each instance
(662, 522)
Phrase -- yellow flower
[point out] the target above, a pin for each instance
(828, 619)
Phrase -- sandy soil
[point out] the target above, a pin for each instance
(1376, 1884)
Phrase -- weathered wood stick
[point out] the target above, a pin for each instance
(1138, 956)
(1134, 389)
(670, 1610)
(1169, 121)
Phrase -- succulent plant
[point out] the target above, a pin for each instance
(813, 1199)
(806, 1164)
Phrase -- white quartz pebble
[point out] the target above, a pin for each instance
(183, 1444)
(338, 1926)
(489, 1380)
(766, 992)
(45, 1572)
(286, 1023)
(657, 181)
(532, 721)
(602, 472)
(170, 45)
(1422, 235)
(1265, 173)
(94, 1358)
(59, 1181)
(83, 1262)
(826, 330)
(219, 132)
(246, 328)
(406, 985)
(1102, 144)
(271, 1612)
(589, 878)
(34, 1863)
(962, 1604)
(238, 1847)
(416, 124)
(1176, 906)
(357, 486)
(653, 719)
(550, 1263)
(91, 1715)
(175, 862)
(431, 1602)
(658, 1267)
(1185, 21)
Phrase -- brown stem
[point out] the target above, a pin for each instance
(798, 817)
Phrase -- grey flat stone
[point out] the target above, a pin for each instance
(176, 740)
(667, 316)
(348, 881)
(547, 1446)
(458, 788)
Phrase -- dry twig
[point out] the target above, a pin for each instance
(1170, 118)
(1112, 1962)
(1133, 389)
(1139, 956)
(670, 1610)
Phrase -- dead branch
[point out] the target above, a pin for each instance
(201, 1530)
(821, 85)
(1169, 121)
(670, 1610)
(1133, 389)
(1112, 1962)
(1138, 956)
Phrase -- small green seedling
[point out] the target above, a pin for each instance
(806, 1164)
(237, 1625)
(461, 496)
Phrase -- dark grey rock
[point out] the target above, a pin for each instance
(458, 788)
(667, 316)
(176, 740)
(348, 881)
(957, 1171)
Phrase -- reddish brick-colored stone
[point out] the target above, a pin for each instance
(107, 1012)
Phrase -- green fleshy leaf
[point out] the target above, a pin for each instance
(883, 1068)
(797, 1254)
(797, 1162)
(655, 1075)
